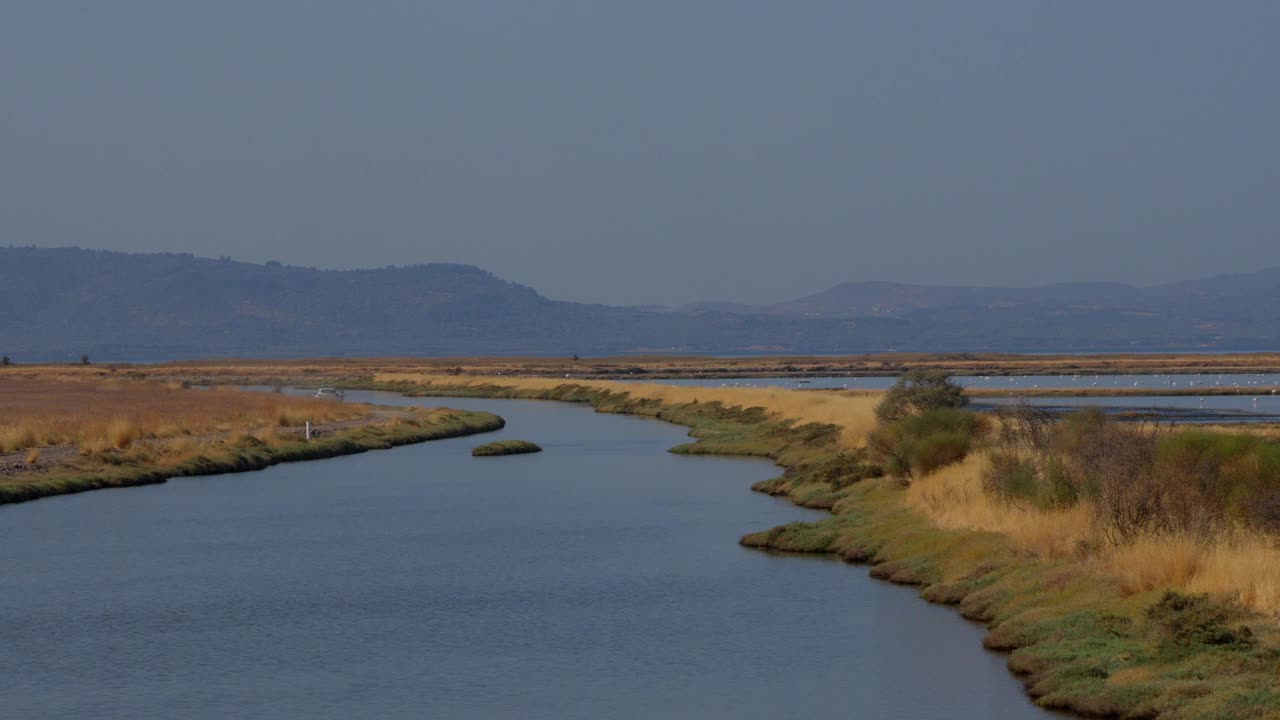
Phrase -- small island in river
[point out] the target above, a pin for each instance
(505, 447)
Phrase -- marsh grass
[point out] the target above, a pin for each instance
(97, 413)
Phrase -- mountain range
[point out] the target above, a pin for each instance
(57, 303)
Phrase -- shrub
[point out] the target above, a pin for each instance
(1191, 482)
(918, 392)
(1011, 478)
(939, 450)
(919, 444)
(1216, 478)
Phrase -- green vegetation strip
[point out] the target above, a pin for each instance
(506, 447)
(1077, 640)
(243, 454)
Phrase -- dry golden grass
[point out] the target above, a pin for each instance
(18, 436)
(953, 498)
(1248, 566)
(1154, 562)
(1245, 565)
(121, 432)
(853, 412)
(99, 414)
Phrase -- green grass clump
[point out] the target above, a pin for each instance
(505, 447)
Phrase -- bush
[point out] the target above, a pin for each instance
(919, 444)
(1191, 482)
(918, 392)
(939, 450)
(1216, 478)
(1012, 478)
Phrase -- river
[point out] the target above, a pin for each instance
(598, 579)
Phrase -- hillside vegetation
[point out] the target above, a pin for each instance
(57, 304)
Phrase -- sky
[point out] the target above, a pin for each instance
(653, 152)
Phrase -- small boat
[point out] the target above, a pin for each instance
(326, 393)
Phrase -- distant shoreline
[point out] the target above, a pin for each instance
(673, 367)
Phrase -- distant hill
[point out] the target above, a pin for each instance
(58, 303)
(1218, 297)
(898, 300)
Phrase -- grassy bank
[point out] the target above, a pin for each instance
(141, 465)
(1082, 636)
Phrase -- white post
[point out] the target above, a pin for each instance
(308, 429)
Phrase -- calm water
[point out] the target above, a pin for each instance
(599, 579)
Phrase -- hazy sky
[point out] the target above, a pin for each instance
(653, 151)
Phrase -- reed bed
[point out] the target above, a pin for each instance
(116, 413)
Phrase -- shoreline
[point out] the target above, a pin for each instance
(248, 453)
(1076, 640)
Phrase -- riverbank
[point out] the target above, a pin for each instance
(1080, 639)
(130, 454)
